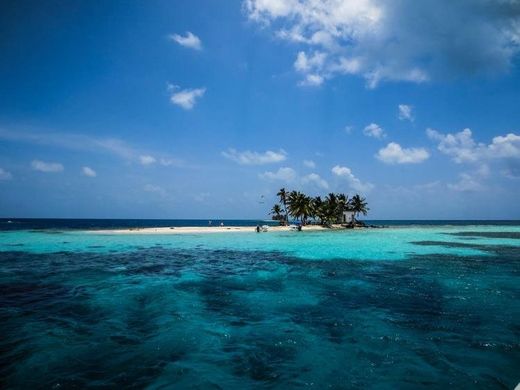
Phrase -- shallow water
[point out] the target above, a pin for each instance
(408, 307)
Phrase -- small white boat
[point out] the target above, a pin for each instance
(293, 227)
(264, 228)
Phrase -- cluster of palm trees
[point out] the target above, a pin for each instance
(326, 211)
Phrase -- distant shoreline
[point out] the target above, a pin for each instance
(211, 229)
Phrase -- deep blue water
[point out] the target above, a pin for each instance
(70, 223)
(57, 223)
(433, 306)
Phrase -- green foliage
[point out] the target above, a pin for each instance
(325, 211)
(359, 205)
(282, 194)
(277, 213)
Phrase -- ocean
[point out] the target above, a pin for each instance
(417, 304)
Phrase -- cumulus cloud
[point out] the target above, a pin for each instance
(310, 66)
(315, 179)
(374, 130)
(309, 164)
(87, 171)
(394, 40)
(5, 175)
(284, 174)
(47, 167)
(186, 98)
(353, 181)
(461, 146)
(311, 80)
(507, 146)
(310, 63)
(255, 158)
(393, 153)
(405, 112)
(463, 149)
(190, 40)
(147, 159)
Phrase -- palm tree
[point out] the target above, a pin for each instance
(292, 203)
(299, 206)
(282, 194)
(330, 208)
(306, 208)
(317, 209)
(276, 212)
(359, 205)
(342, 203)
(327, 211)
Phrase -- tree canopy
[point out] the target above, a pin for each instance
(325, 211)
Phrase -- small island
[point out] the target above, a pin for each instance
(294, 211)
(335, 210)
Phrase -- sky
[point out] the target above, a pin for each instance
(204, 109)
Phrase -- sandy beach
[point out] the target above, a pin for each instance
(206, 229)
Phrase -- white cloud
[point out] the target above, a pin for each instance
(284, 174)
(147, 159)
(306, 63)
(186, 98)
(349, 129)
(507, 146)
(87, 171)
(170, 162)
(352, 180)
(317, 180)
(5, 175)
(393, 153)
(382, 40)
(46, 167)
(309, 164)
(311, 80)
(374, 130)
(255, 158)
(461, 146)
(405, 112)
(310, 66)
(190, 40)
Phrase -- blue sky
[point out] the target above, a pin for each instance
(204, 109)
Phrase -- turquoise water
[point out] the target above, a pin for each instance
(402, 307)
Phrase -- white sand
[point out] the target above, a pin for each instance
(204, 229)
